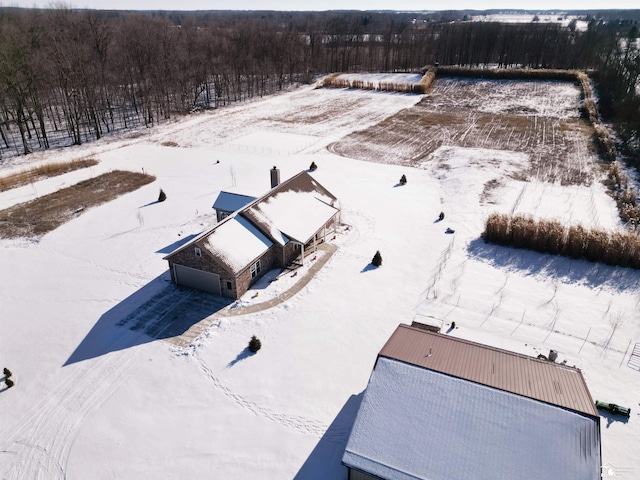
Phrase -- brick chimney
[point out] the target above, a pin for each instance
(275, 177)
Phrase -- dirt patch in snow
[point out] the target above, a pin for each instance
(46, 213)
(538, 118)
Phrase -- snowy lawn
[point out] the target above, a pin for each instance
(96, 400)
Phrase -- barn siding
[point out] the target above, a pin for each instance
(358, 475)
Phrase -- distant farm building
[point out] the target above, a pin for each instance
(438, 407)
(268, 232)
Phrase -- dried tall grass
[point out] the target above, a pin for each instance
(623, 191)
(508, 73)
(549, 236)
(427, 79)
(605, 144)
(328, 80)
(35, 174)
(42, 215)
(334, 81)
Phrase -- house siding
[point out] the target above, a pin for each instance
(291, 251)
(222, 214)
(240, 283)
(244, 280)
(206, 263)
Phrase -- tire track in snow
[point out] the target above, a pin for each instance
(39, 443)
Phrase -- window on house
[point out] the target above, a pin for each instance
(224, 215)
(229, 286)
(255, 269)
(198, 252)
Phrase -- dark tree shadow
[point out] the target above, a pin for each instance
(325, 459)
(246, 353)
(368, 268)
(563, 269)
(157, 311)
(3, 385)
(150, 203)
(177, 244)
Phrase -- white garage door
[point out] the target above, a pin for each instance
(190, 277)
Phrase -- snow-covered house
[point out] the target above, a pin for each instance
(269, 232)
(438, 407)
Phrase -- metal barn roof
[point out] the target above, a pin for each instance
(541, 380)
(419, 424)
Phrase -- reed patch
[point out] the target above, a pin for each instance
(35, 174)
(574, 241)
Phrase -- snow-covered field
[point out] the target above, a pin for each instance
(95, 399)
(544, 17)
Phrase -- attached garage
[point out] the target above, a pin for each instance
(190, 277)
(268, 232)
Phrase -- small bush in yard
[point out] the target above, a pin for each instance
(403, 180)
(162, 197)
(255, 344)
(313, 167)
(377, 259)
(7, 372)
(8, 382)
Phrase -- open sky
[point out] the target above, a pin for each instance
(333, 4)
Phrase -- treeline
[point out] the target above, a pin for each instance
(405, 46)
(71, 76)
(618, 80)
(67, 77)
